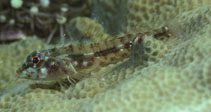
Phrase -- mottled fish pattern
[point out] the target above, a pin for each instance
(74, 60)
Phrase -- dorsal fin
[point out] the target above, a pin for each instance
(95, 46)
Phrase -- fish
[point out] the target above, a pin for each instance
(74, 61)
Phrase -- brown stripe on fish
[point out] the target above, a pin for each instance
(106, 52)
(81, 61)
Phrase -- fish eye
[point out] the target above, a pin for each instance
(35, 59)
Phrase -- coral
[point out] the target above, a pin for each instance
(86, 88)
(161, 75)
(122, 15)
(152, 15)
(87, 29)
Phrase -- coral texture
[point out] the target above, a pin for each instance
(87, 29)
(172, 75)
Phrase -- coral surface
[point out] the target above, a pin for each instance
(172, 75)
(85, 29)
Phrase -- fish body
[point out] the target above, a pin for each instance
(71, 60)
(76, 60)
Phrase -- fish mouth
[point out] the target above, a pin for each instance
(31, 73)
(26, 73)
(19, 70)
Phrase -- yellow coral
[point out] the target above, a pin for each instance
(150, 14)
(86, 88)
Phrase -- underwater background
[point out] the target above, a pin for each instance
(172, 75)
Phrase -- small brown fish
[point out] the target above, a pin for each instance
(74, 60)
